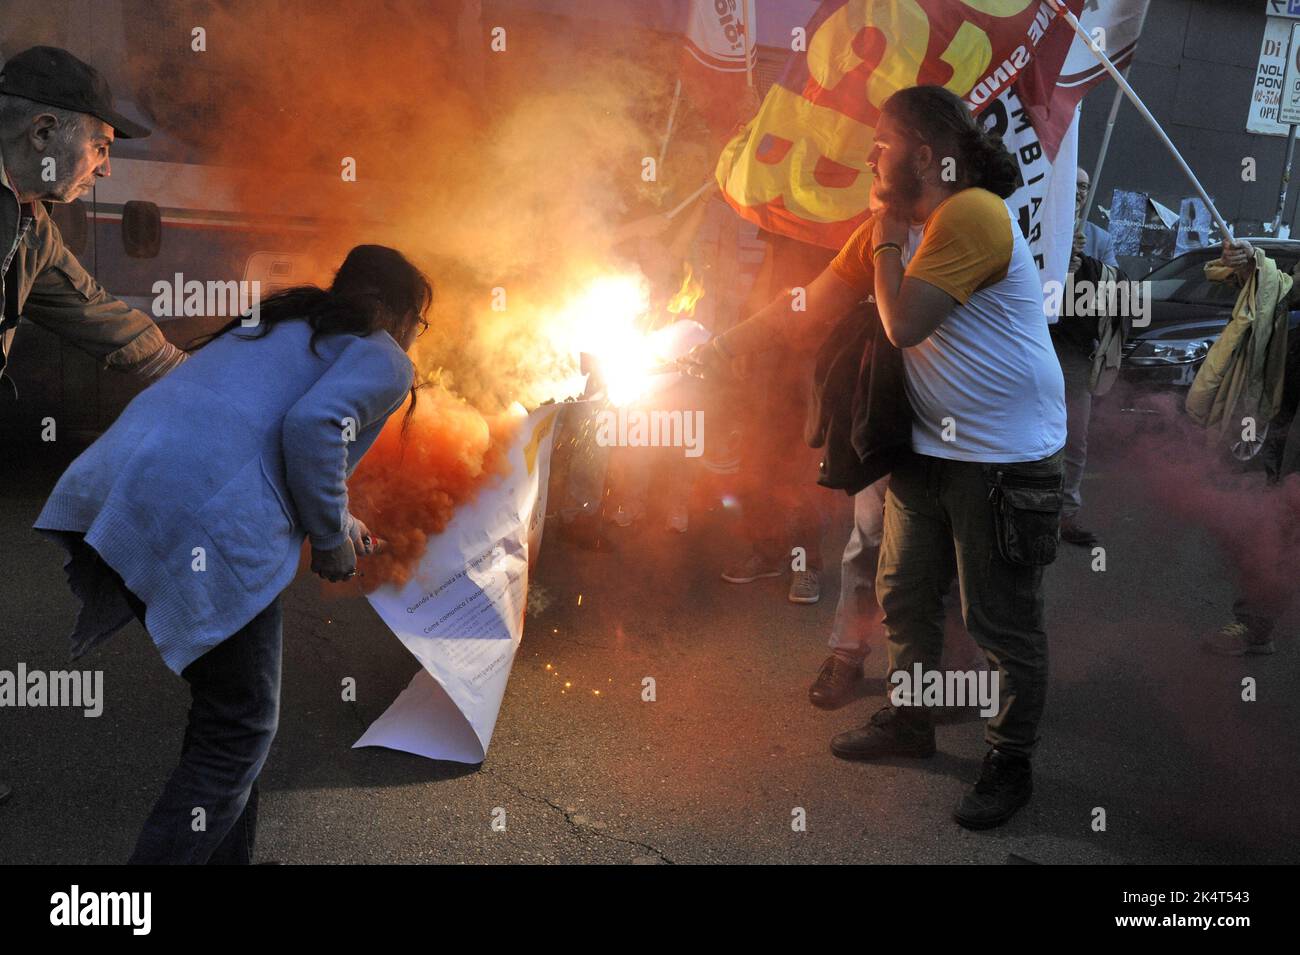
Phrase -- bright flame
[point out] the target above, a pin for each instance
(611, 320)
(607, 321)
(684, 299)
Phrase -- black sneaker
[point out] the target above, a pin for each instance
(834, 684)
(888, 734)
(1006, 782)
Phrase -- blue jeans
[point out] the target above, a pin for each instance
(235, 708)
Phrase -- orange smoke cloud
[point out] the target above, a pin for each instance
(410, 483)
(492, 170)
(504, 174)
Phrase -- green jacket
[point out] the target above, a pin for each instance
(1243, 373)
(55, 292)
(1254, 368)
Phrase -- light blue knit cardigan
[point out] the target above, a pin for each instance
(241, 451)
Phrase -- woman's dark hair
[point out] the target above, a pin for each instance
(374, 287)
(940, 119)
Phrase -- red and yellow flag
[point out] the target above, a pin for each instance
(799, 167)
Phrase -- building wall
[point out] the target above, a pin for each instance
(1195, 70)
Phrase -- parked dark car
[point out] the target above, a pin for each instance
(1188, 313)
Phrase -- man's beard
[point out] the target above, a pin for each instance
(904, 189)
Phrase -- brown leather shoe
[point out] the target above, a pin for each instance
(834, 684)
(1074, 533)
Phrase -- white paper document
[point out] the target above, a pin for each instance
(462, 613)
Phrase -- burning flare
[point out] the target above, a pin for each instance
(612, 320)
(409, 485)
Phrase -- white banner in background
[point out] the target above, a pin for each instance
(1043, 206)
(715, 34)
(462, 613)
(1114, 25)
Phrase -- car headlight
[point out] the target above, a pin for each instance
(1169, 352)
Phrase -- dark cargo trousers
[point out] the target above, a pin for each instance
(940, 520)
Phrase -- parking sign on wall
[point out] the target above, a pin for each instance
(1283, 8)
(1288, 107)
(1269, 76)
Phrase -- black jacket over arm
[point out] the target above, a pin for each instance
(858, 409)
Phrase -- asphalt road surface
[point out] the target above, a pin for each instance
(1140, 723)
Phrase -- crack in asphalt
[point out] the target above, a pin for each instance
(577, 827)
(309, 626)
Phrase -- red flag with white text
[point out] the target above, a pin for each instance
(1051, 92)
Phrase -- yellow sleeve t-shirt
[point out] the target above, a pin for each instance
(986, 385)
(965, 248)
(853, 263)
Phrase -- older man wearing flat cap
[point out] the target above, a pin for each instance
(57, 123)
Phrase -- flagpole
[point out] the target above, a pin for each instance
(744, 39)
(689, 199)
(1073, 21)
(672, 118)
(1110, 121)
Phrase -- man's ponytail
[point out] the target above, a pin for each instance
(990, 165)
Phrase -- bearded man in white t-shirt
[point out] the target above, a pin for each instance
(980, 495)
